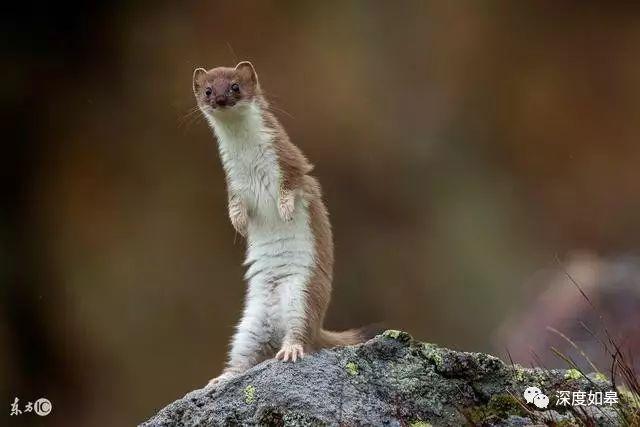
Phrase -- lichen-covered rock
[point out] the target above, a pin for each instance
(390, 380)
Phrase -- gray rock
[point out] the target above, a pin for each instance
(391, 380)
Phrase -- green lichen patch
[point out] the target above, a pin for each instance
(433, 354)
(397, 335)
(629, 399)
(528, 377)
(487, 363)
(499, 407)
(506, 404)
(599, 376)
(352, 368)
(573, 374)
(419, 423)
(519, 375)
(249, 394)
(565, 423)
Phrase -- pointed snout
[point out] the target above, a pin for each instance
(221, 100)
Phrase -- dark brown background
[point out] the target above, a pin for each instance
(462, 146)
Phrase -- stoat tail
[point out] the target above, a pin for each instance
(328, 339)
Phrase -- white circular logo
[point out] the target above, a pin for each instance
(536, 396)
(541, 401)
(42, 407)
(530, 393)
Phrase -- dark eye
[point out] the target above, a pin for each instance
(208, 91)
(235, 87)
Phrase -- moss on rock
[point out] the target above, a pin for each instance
(249, 394)
(352, 368)
(573, 374)
(389, 380)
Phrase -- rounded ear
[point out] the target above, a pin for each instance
(245, 68)
(198, 78)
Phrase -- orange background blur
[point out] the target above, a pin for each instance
(462, 146)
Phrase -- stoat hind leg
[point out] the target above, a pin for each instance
(296, 327)
(291, 352)
(251, 343)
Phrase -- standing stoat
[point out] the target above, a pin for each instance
(278, 207)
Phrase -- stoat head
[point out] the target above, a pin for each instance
(223, 90)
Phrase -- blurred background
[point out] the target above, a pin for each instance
(471, 154)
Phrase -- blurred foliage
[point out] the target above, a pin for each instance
(461, 147)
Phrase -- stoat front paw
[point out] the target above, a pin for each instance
(239, 218)
(286, 205)
(290, 351)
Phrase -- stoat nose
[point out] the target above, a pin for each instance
(221, 100)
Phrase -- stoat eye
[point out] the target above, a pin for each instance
(235, 87)
(208, 91)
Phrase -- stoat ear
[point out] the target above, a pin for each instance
(199, 75)
(246, 70)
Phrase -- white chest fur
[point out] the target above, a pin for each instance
(280, 254)
(250, 161)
